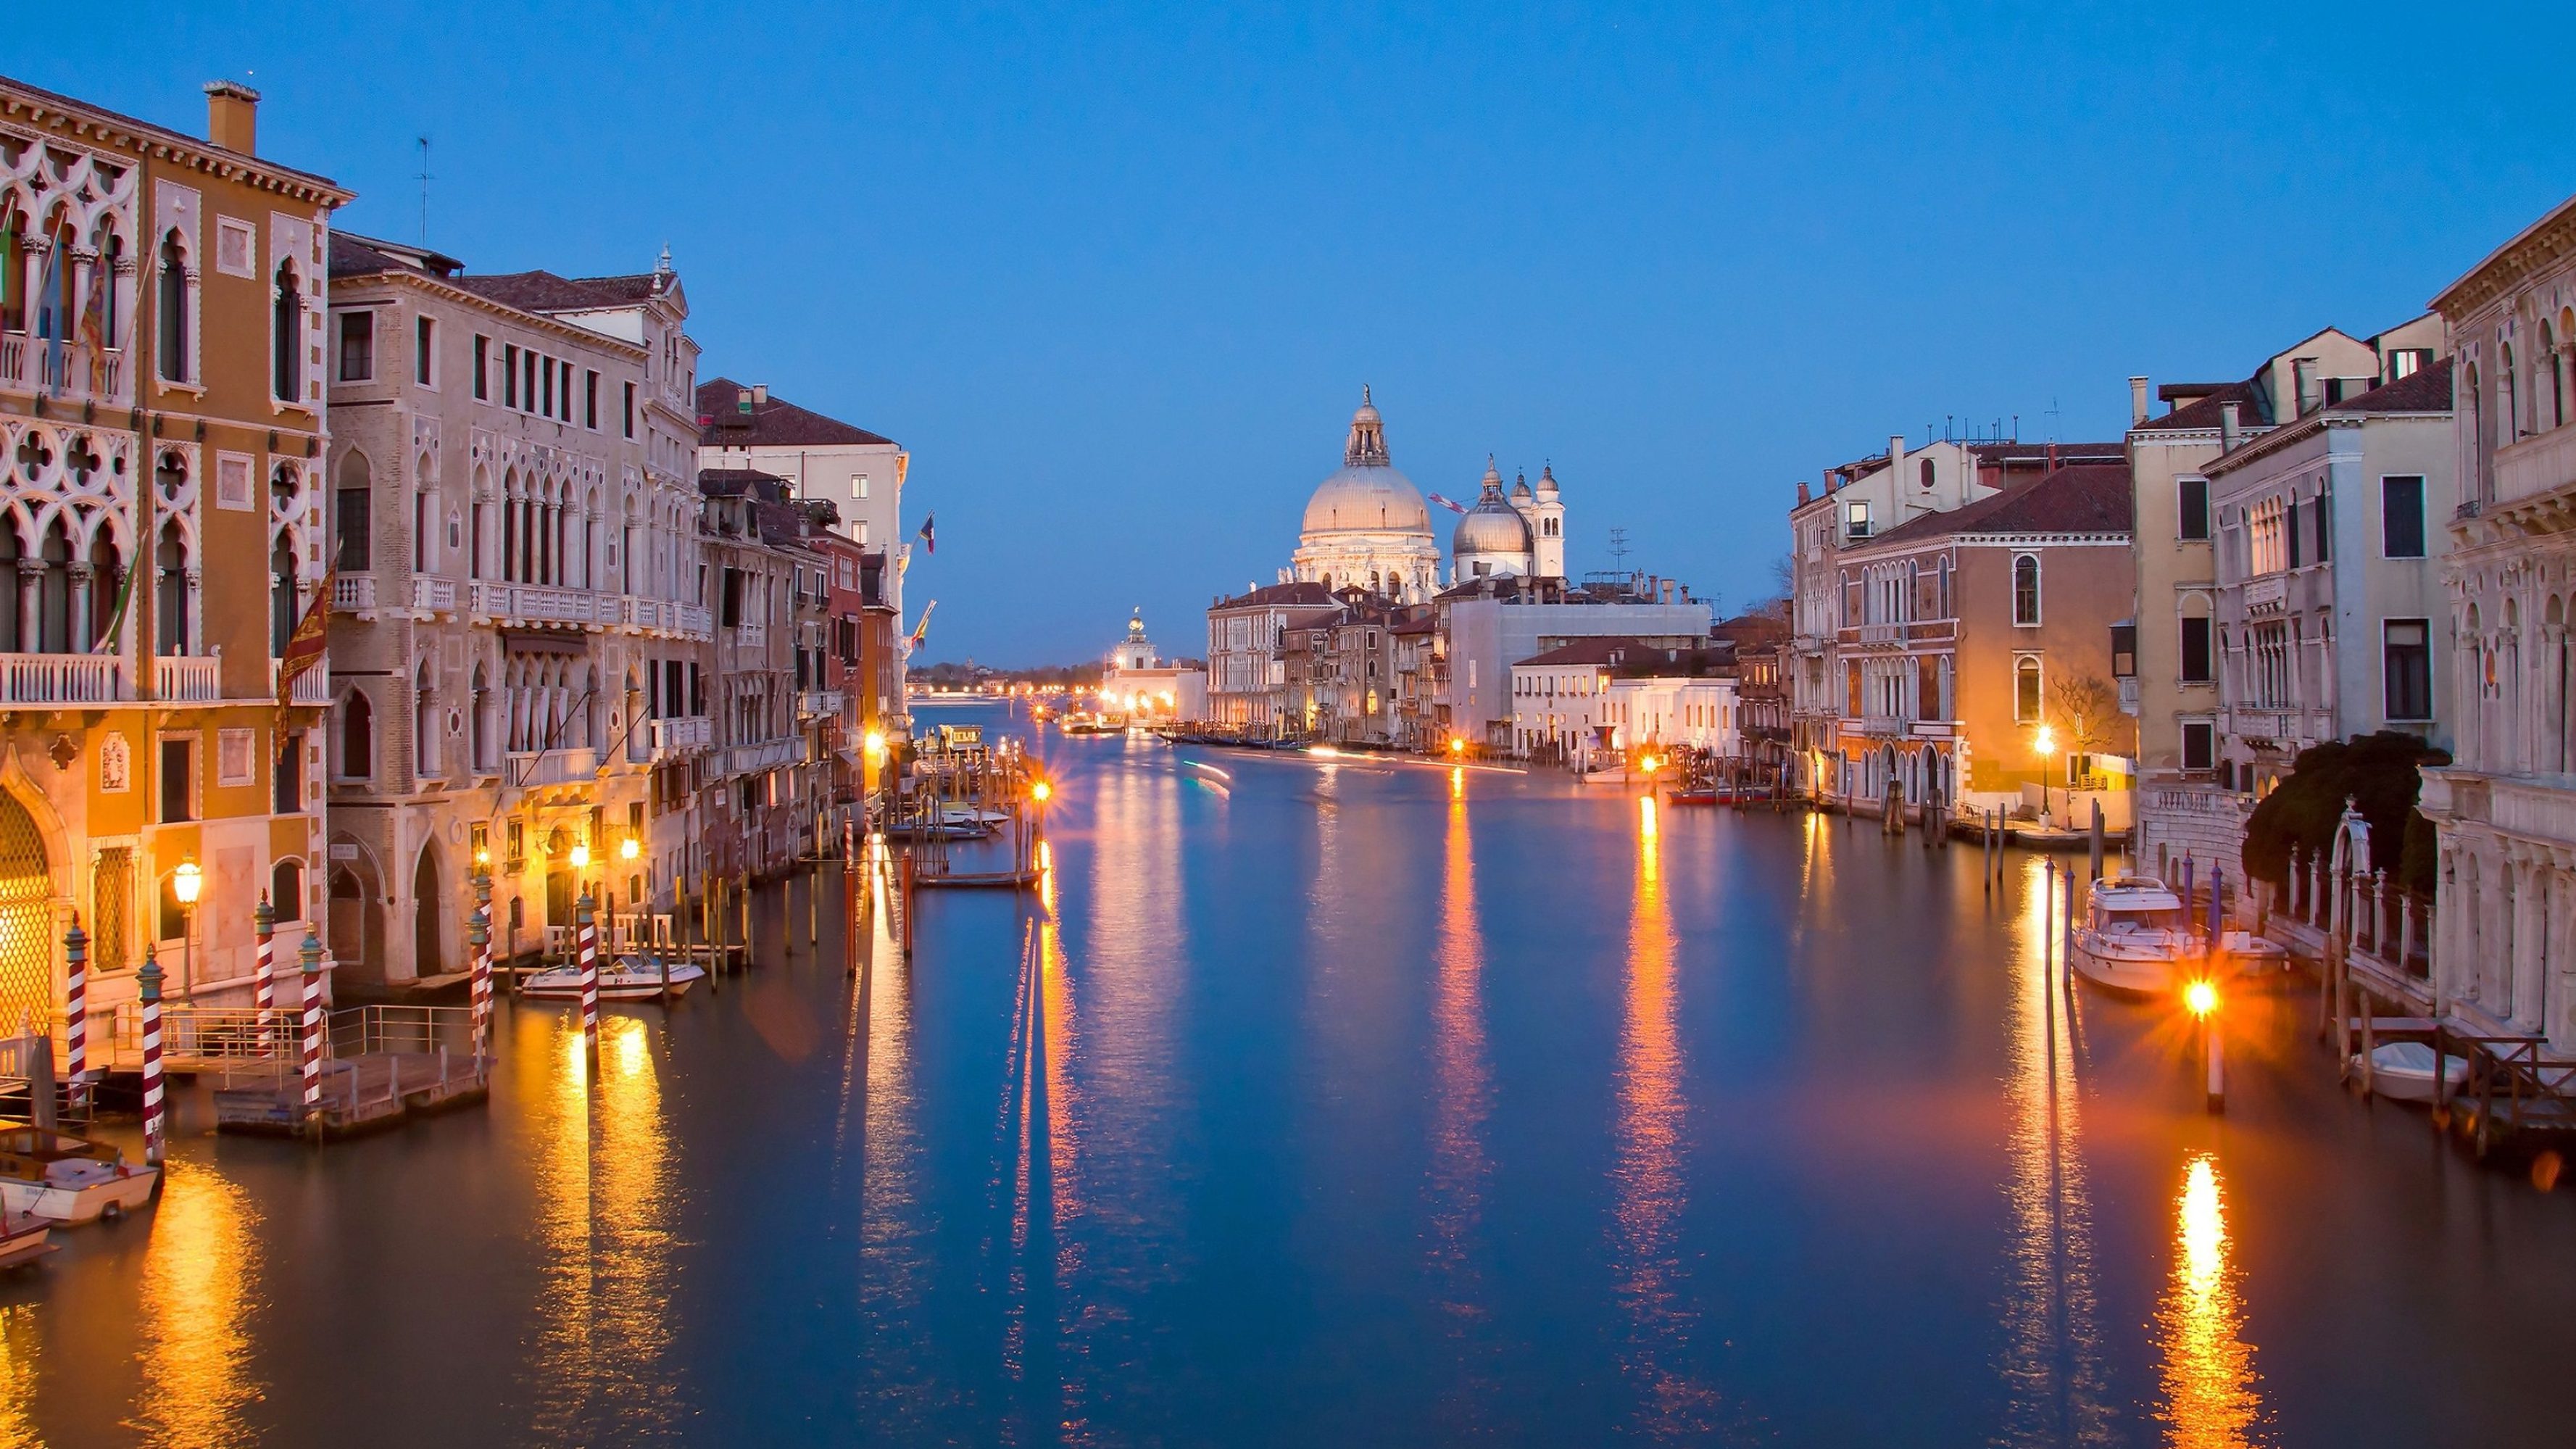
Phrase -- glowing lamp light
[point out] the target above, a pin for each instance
(1041, 792)
(1651, 764)
(876, 743)
(2201, 997)
(2046, 741)
(186, 881)
(483, 855)
(629, 848)
(1457, 747)
(581, 856)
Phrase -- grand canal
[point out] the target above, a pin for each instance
(1350, 1103)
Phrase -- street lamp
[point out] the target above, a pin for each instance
(185, 882)
(2201, 999)
(2044, 744)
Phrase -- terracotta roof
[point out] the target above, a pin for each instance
(2425, 390)
(542, 291)
(2066, 452)
(1275, 594)
(2202, 415)
(1603, 649)
(735, 482)
(176, 140)
(776, 423)
(2078, 498)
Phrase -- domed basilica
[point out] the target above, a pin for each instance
(1368, 527)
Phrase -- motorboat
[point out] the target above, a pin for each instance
(65, 1179)
(2137, 938)
(1081, 722)
(2402, 1071)
(23, 1240)
(626, 978)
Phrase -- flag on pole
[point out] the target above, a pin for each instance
(929, 541)
(921, 629)
(94, 319)
(1445, 503)
(305, 647)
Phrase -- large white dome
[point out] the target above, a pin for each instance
(1368, 495)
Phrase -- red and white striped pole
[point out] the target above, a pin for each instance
(478, 940)
(589, 948)
(154, 1130)
(311, 954)
(264, 985)
(76, 1008)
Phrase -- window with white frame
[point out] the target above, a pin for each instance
(2025, 583)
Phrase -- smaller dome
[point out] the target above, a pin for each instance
(1547, 481)
(1492, 526)
(1520, 490)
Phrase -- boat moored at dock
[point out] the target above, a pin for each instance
(2137, 938)
(627, 978)
(65, 1179)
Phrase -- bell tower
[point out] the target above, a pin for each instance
(1547, 527)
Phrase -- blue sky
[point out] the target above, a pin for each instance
(1116, 276)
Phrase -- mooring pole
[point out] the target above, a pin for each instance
(155, 1130)
(586, 944)
(2047, 937)
(310, 958)
(263, 992)
(76, 1009)
(478, 943)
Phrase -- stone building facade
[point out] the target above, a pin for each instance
(517, 601)
(162, 425)
(2504, 811)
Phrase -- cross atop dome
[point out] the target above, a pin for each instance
(1367, 447)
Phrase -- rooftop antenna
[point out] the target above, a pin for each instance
(2052, 419)
(2016, 433)
(1619, 550)
(424, 191)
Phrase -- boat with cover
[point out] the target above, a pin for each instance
(627, 978)
(2402, 1071)
(67, 1179)
(2137, 938)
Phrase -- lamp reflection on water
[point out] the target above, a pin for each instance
(1461, 1082)
(2208, 1373)
(199, 1294)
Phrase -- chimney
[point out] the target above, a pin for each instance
(2137, 401)
(2052, 455)
(759, 393)
(232, 116)
(1803, 499)
(2227, 427)
(1668, 590)
(1896, 459)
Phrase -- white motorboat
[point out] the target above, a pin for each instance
(2137, 938)
(67, 1179)
(627, 978)
(2402, 1071)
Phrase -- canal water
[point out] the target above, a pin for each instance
(1349, 1103)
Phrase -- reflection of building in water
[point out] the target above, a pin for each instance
(1462, 1086)
(1141, 683)
(2052, 1355)
(2209, 1397)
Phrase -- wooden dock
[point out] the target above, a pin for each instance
(365, 1093)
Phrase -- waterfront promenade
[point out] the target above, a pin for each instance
(1349, 1102)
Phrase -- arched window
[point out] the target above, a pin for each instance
(2026, 697)
(2557, 369)
(282, 609)
(2025, 588)
(110, 252)
(424, 723)
(54, 591)
(2507, 416)
(1927, 472)
(170, 597)
(170, 310)
(357, 737)
(286, 341)
(482, 722)
(286, 889)
(9, 554)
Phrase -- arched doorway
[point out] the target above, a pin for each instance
(26, 917)
(427, 956)
(357, 924)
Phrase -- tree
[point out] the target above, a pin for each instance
(2087, 709)
(2378, 773)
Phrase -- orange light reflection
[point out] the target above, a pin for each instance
(2208, 1376)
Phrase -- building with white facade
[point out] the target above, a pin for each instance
(1139, 681)
(1247, 680)
(1492, 624)
(1588, 703)
(2504, 810)
(1366, 526)
(745, 426)
(517, 622)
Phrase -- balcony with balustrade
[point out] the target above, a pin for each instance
(433, 598)
(313, 686)
(764, 755)
(679, 736)
(188, 679)
(819, 703)
(2535, 469)
(73, 371)
(354, 594)
(563, 765)
(63, 679)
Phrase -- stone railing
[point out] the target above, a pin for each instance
(313, 686)
(559, 766)
(2267, 593)
(353, 593)
(74, 370)
(62, 679)
(2530, 467)
(680, 734)
(751, 634)
(661, 616)
(2375, 916)
(765, 755)
(433, 596)
(817, 703)
(544, 604)
(188, 679)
